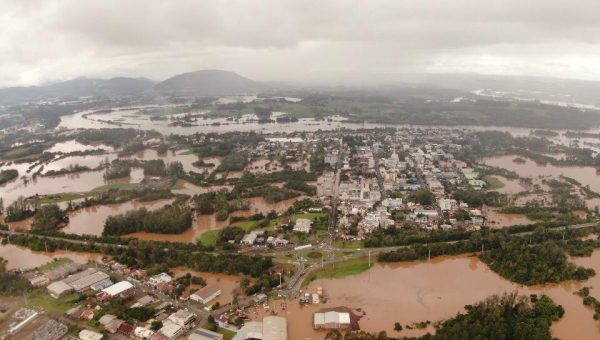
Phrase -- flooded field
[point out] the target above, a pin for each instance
(228, 284)
(496, 219)
(76, 182)
(91, 220)
(203, 223)
(586, 175)
(169, 157)
(511, 186)
(436, 290)
(187, 188)
(73, 145)
(128, 118)
(24, 258)
(262, 166)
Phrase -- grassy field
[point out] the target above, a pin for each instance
(209, 238)
(310, 216)
(53, 264)
(339, 270)
(44, 300)
(314, 254)
(349, 244)
(227, 334)
(246, 225)
(177, 186)
(493, 182)
(117, 186)
(64, 197)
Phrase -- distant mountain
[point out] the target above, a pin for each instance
(78, 87)
(207, 83)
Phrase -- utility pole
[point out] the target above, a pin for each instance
(369, 258)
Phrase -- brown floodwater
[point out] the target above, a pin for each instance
(91, 161)
(169, 157)
(228, 284)
(586, 175)
(73, 145)
(24, 258)
(78, 182)
(262, 166)
(83, 181)
(511, 186)
(435, 290)
(496, 219)
(191, 189)
(22, 225)
(91, 220)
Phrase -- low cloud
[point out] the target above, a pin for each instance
(297, 40)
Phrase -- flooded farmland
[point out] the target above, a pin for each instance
(76, 182)
(90, 221)
(228, 284)
(203, 223)
(586, 175)
(435, 290)
(24, 258)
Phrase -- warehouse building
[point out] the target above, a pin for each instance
(59, 289)
(82, 281)
(331, 320)
(274, 328)
(204, 334)
(271, 328)
(206, 294)
(119, 289)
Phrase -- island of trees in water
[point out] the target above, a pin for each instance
(171, 219)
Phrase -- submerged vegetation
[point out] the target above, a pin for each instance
(534, 264)
(8, 175)
(171, 219)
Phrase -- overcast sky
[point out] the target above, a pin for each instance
(277, 40)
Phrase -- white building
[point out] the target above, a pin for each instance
(303, 225)
(249, 239)
(331, 320)
(170, 329)
(90, 335)
(142, 332)
(206, 294)
(182, 317)
(160, 278)
(59, 289)
(446, 204)
(118, 289)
